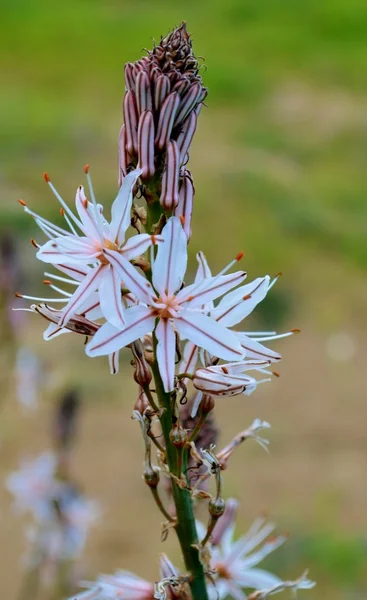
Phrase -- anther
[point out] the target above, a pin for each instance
(276, 373)
(22, 202)
(247, 297)
(18, 295)
(86, 169)
(47, 282)
(225, 370)
(85, 203)
(280, 274)
(239, 256)
(62, 212)
(295, 331)
(34, 243)
(46, 177)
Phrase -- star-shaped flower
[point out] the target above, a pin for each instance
(167, 308)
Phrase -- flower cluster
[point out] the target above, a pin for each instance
(130, 292)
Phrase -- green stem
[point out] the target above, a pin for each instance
(185, 528)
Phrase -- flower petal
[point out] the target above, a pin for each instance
(203, 270)
(120, 211)
(110, 297)
(170, 264)
(89, 284)
(209, 289)
(70, 249)
(258, 579)
(86, 214)
(130, 277)
(113, 360)
(209, 334)
(253, 349)
(138, 244)
(166, 351)
(189, 359)
(53, 331)
(138, 322)
(237, 305)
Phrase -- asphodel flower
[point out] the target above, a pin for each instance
(98, 254)
(169, 310)
(230, 379)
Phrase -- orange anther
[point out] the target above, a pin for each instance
(86, 169)
(247, 297)
(240, 255)
(182, 219)
(225, 370)
(18, 295)
(62, 212)
(22, 202)
(34, 243)
(46, 177)
(276, 373)
(85, 203)
(295, 331)
(47, 282)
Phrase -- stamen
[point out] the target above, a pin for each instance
(280, 274)
(277, 337)
(19, 295)
(57, 230)
(34, 243)
(62, 202)
(56, 288)
(22, 202)
(64, 279)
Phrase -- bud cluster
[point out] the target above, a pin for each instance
(164, 94)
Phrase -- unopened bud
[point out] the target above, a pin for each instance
(206, 405)
(131, 122)
(142, 373)
(146, 144)
(184, 207)
(143, 92)
(216, 507)
(225, 522)
(178, 437)
(169, 195)
(166, 119)
(151, 476)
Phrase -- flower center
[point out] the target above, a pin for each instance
(166, 307)
(222, 571)
(110, 246)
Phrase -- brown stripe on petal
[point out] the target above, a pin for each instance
(143, 92)
(161, 90)
(188, 102)
(185, 138)
(123, 160)
(169, 195)
(146, 144)
(185, 202)
(131, 122)
(181, 86)
(166, 119)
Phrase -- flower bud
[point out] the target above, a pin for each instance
(169, 194)
(216, 507)
(146, 144)
(131, 122)
(142, 373)
(225, 522)
(184, 207)
(206, 405)
(151, 476)
(178, 437)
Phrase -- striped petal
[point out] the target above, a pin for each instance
(136, 283)
(121, 207)
(189, 359)
(139, 321)
(170, 265)
(86, 215)
(253, 349)
(166, 353)
(237, 305)
(197, 295)
(208, 334)
(138, 244)
(68, 249)
(89, 284)
(110, 297)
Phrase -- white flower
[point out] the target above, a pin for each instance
(100, 252)
(34, 485)
(235, 560)
(127, 586)
(302, 583)
(168, 309)
(229, 379)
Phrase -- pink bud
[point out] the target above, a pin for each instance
(143, 93)
(162, 88)
(146, 144)
(169, 195)
(166, 119)
(184, 207)
(181, 86)
(188, 102)
(129, 76)
(185, 138)
(131, 122)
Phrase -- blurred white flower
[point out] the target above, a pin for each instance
(34, 486)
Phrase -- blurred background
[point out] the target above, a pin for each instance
(279, 168)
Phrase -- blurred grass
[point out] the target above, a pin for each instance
(281, 147)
